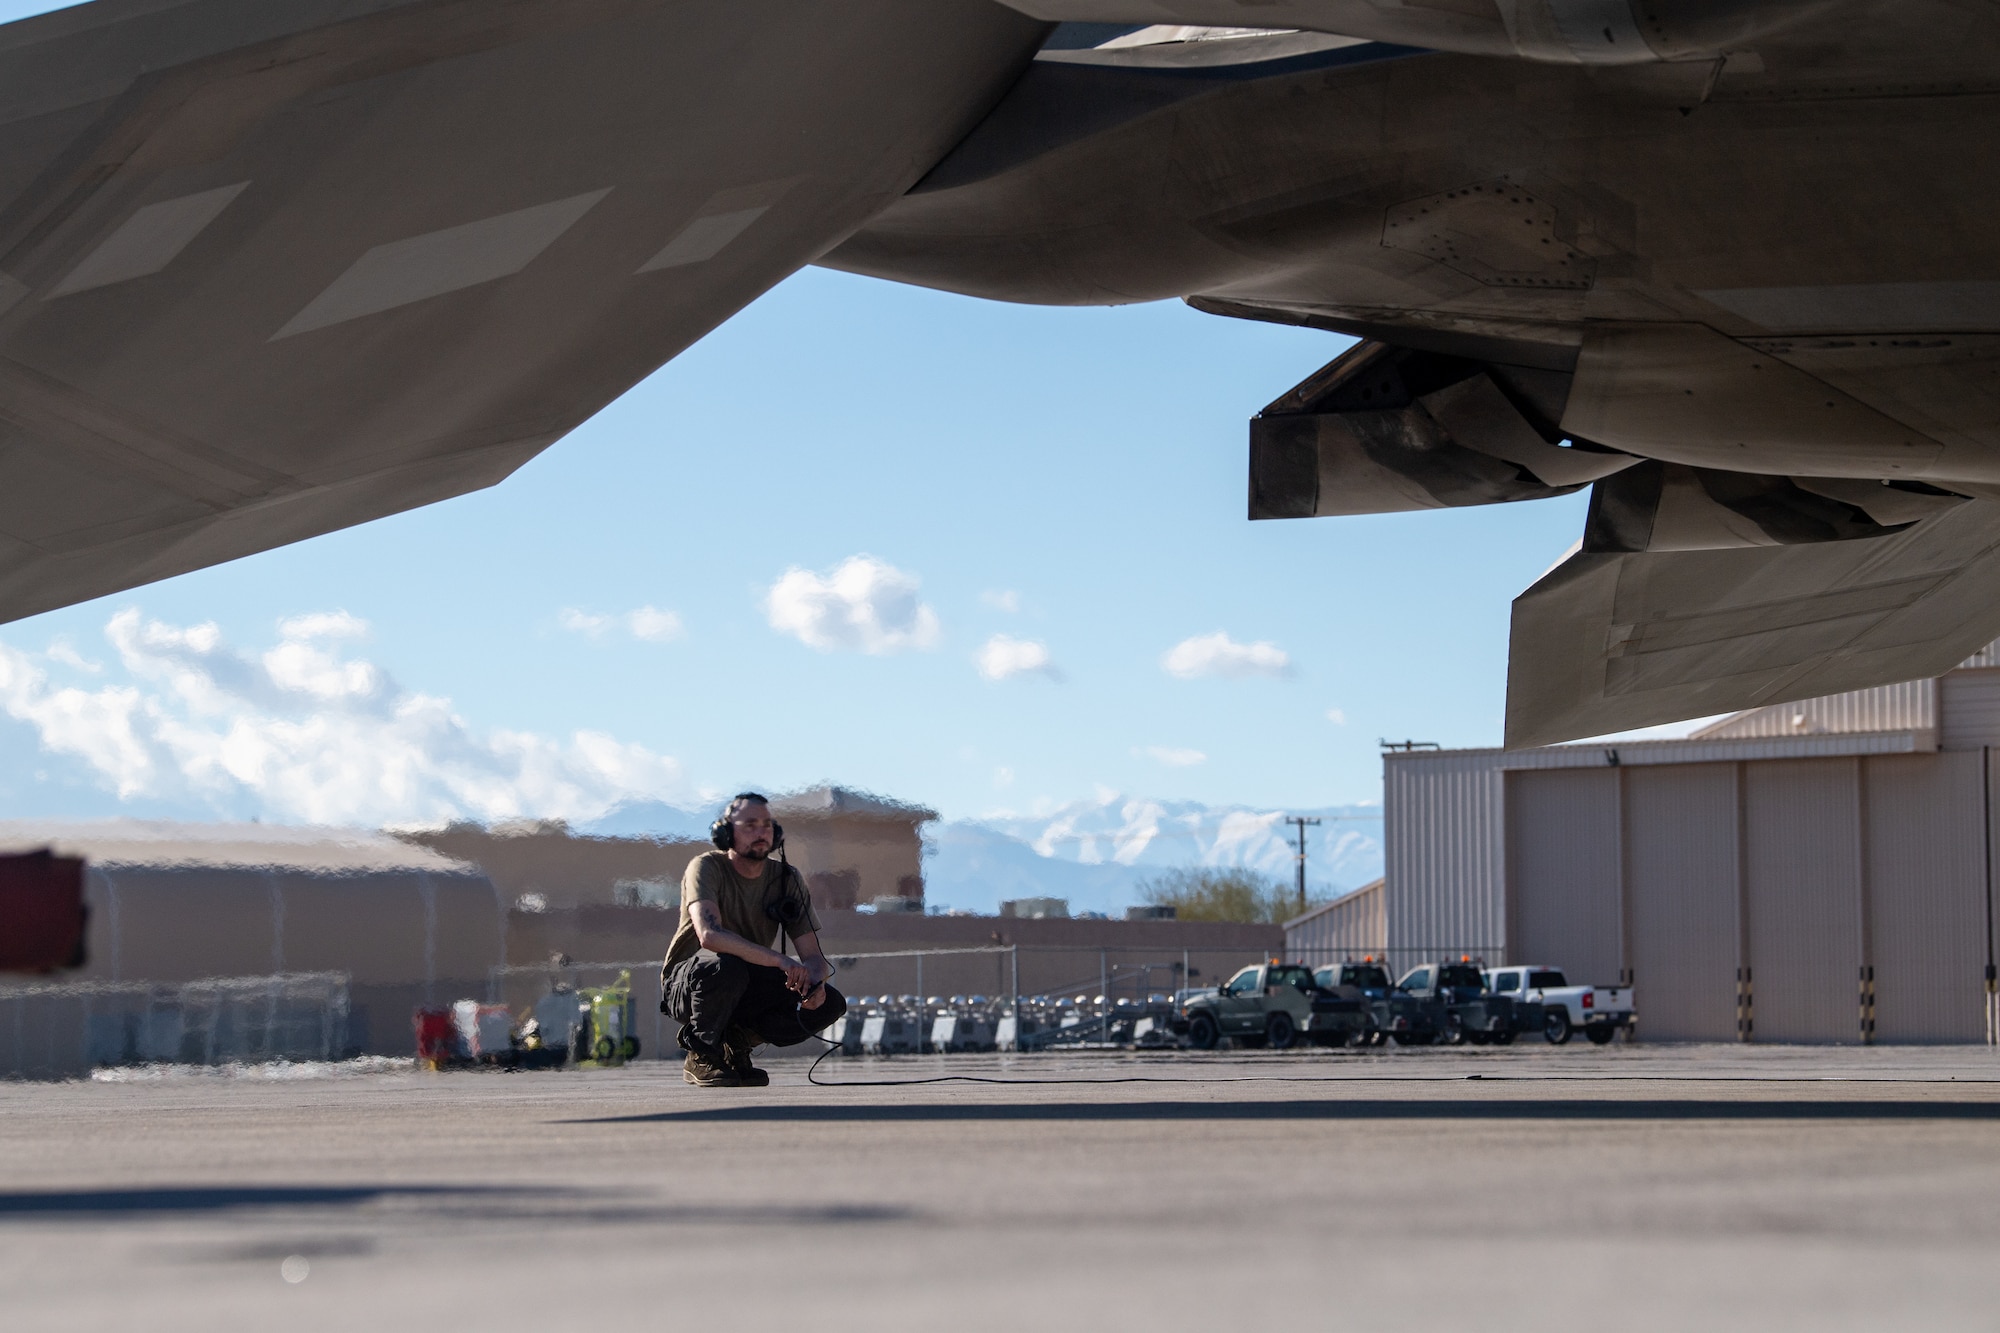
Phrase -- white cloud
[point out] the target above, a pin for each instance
(324, 625)
(1003, 777)
(1219, 655)
(63, 651)
(652, 625)
(1336, 716)
(865, 605)
(1004, 656)
(302, 732)
(1002, 599)
(1171, 756)
(648, 624)
(583, 622)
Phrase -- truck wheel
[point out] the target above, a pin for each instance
(1555, 1027)
(1504, 1037)
(1600, 1034)
(1453, 1031)
(1202, 1033)
(628, 1049)
(1280, 1031)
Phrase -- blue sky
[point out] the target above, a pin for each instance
(1070, 479)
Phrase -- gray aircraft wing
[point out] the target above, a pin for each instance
(269, 268)
(1608, 641)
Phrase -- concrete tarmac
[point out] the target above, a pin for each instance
(1533, 1188)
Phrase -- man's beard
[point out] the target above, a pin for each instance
(754, 853)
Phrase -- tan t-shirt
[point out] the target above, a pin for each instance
(738, 901)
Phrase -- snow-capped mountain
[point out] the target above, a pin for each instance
(1097, 852)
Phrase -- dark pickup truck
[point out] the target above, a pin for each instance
(1447, 1003)
(1271, 1005)
(1364, 985)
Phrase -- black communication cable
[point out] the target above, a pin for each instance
(832, 1046)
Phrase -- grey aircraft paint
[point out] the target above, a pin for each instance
(1740, 289)
(273, 267)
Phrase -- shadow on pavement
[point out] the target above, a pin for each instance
(205, 1199)
(471, 1203)
(1606, 1109)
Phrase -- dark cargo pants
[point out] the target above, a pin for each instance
(714, 992)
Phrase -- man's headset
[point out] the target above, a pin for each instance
(786, 911)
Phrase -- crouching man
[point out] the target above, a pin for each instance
(724, 981)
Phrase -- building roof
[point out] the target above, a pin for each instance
(147, 842)
(842, 801)
(1611, 754)
(1342, 903)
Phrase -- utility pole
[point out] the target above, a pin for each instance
(1302, 823)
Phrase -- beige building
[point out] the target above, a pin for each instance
(851, 847)
(540, 865)
(854, 848)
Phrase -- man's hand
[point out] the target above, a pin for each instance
(814, 998)
(797, 975)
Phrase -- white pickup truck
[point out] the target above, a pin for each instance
(1600, 1011)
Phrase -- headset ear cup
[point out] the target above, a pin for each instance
(723, 834)
(777, 835)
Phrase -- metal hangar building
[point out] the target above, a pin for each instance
(1808, 872)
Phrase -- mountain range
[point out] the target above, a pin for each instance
(1097, 853)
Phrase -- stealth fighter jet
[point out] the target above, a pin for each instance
(269, 268)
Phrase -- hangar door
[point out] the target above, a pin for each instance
(1926, 892)
(1802, 891)
(1680, 867)
(1562, 871)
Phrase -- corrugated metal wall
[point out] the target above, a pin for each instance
(1680, 868)
(1348, 926)
(1802, 889)
(1444, 863)
(1971, 709)
(1926, 897)
(1908, 706)
(1563, 871)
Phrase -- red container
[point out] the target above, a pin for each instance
(437, 1039)
(41, 912)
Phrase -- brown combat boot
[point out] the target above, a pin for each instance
(747, 1075)
(737, 1044)
(707, 1072)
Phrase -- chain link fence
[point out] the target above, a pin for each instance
(58, 1031)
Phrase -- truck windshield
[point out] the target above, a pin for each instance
(1461, 975)
(1366, 977)
(1542, 980)
(1242, 983)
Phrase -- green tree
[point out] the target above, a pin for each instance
(1225, 893)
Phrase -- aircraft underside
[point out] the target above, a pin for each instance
(1749, 301)
(270, 269)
